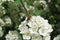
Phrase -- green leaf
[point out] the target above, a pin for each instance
(37, 12)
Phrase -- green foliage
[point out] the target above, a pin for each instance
(37, 12)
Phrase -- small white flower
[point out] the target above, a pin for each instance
(27, 36)
(1, 22)
(12, 35)
(22, 27)
(49, 28)
(24, 30)
(47, 37)
(33, 30)
(43, 32)
(33, 18)
(32, 24)
(57, 38)
(8, 21)
(36, 37)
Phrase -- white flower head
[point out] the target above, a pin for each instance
(12, 35)
(36, 37)
(43, 32)
(47, 37)
(24, 30)
(8, 21)
(32, 24)
(57, 38)
(27, 35)
(37, 27)
(22, 27)
(33, 30)
(1, 22)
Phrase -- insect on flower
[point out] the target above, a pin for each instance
(28, 18)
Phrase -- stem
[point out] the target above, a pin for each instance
(23, 6)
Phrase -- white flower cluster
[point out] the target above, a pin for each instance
(35, 28)
(1, 32)
(57, 38)
(8, 21)
(12, 35)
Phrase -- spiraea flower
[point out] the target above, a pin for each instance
(36, 37)
(41, 24)
(12, 35)
(1, 32)
(2, 23)
(47, 37)
(35, 28)
(24, 30)
(7, 21)
(57, 38)
(44, 30)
